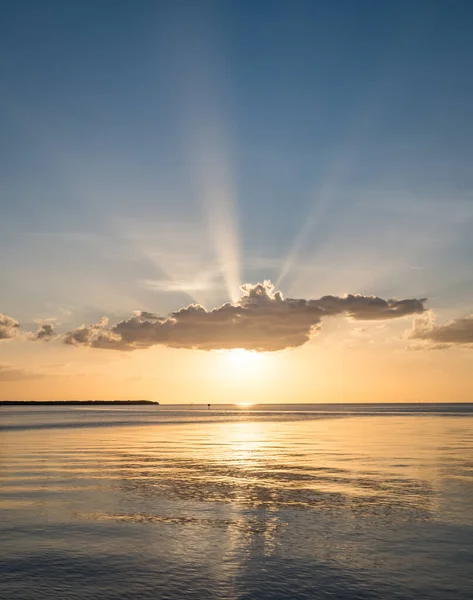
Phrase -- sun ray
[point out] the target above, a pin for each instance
(207, 143)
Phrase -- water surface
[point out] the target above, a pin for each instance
(343, 502)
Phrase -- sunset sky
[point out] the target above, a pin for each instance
(236, 201)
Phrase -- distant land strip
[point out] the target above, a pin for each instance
(76, 402)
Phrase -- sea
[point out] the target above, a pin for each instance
(263, 502)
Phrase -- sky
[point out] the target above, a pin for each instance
(236, 201)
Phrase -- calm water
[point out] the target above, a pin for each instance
(268, 503)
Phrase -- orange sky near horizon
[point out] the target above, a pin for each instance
(327, 369)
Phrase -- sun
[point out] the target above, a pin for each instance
(242, 366)
(239, 357)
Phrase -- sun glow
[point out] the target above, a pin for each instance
(243, 366)
(241, 358)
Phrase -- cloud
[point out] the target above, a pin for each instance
(200, 281)
(439, 337)
(44, 333)
(9, 373)
(261, 320)
(8, 327)
(96, 336)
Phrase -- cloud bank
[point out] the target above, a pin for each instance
(8, 327)
(260, 320)
(456, 333)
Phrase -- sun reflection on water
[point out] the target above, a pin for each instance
(226, 496)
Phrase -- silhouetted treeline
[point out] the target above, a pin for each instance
(74, 402)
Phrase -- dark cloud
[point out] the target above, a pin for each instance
(8, 327)
(44, 333)
(261, 319)
(147, 315)
(456, 333)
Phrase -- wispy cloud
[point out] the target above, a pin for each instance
(200, 281)
(10, 373)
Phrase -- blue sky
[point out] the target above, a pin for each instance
(158, 153)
